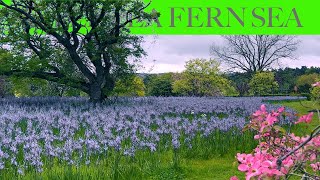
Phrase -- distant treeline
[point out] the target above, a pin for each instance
(287, 81)
(290, 80)
(200, 78)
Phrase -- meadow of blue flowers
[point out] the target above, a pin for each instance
(37, 134)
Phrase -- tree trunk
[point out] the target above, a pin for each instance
(95, 93)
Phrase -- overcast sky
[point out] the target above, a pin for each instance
(169, 53)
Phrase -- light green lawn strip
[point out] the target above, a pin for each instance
(303, 107)
(217, 168)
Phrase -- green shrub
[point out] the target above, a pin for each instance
(263, 83)
(307, 95)
(305, 81)
(315, 93)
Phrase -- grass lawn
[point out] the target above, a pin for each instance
(219, 168)
(303, 107)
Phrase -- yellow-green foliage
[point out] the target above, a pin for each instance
(181, 87)
(26, 87)
(201, 78)
(304, 82)
(263, 83)
(307, 79)
(130, 86)
(315, 91)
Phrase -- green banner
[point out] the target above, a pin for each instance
(202, 17)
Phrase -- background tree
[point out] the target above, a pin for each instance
(251, 54)
(28, 87)
(5, 87)
(2, 87)
(160, 85)
(81, 44)
(315, 91)
(240, 81)
(305, 81)
(286, 79)
(129, 86)
(201, 78)
(263, 83)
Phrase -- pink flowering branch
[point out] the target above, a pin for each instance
(314, 134)
(278, 153)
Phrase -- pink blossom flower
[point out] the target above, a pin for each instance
(243, 158)
(281, 109)
(261, 112)
(287, 163)
(255, 170)
(271, 120)
(263, 108)
(267, 164)
(317, 84)
(264, 124)
(305, 118)
(315, 167)
(313, 157)
(275, 114)
(294, 137)
(243, 167)
(316, 141)
(257, 136)
(234, 178)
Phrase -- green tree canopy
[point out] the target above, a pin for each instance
(28, 87)
(82, 44)
(160, 85)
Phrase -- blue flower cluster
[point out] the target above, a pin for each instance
(74, 131)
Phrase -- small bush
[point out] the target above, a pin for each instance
(307, 95)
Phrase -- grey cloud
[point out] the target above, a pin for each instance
(310, 45)
(171, 52)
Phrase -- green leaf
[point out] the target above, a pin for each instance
(279, 128)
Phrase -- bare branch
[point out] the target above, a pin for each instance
(255, 53)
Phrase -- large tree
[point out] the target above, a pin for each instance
(84, 44)
(254, 53)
